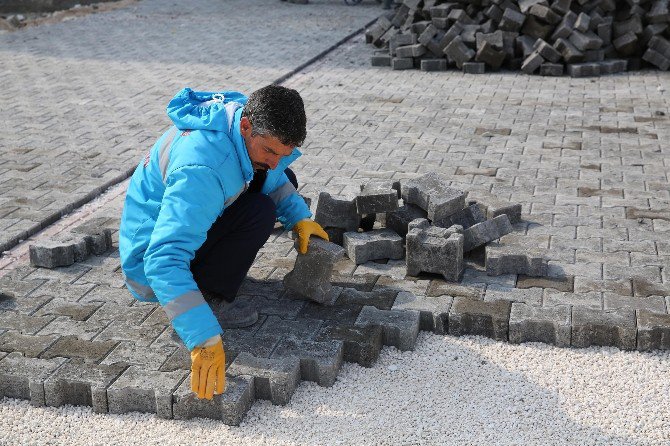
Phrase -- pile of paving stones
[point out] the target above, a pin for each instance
(586, 37)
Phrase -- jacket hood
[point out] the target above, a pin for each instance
(201, 110)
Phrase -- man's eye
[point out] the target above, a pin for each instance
(268, 150)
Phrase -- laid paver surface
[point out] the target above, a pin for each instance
(585, 158)
(85, 97)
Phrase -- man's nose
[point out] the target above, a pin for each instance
(274, 162)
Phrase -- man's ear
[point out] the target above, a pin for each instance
(245, 127)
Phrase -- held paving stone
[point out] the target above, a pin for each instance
(530, 323)
(274, 379)
(229, 407)
(139, 390)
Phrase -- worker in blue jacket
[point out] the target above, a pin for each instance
(202, 203)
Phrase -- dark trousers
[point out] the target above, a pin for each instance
(223, 260)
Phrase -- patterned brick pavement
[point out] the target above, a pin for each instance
(585, 157)
(83, 98)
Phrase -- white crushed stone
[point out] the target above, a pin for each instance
(449, 391)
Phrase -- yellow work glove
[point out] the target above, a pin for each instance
(303, 229)
(208, 368)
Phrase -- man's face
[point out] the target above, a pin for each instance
(264, 151)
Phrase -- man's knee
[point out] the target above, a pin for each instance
(262, 212)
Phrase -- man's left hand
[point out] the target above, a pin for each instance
(303, 229)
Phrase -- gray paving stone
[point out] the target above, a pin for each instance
(74, 347)
(431, 193)
(360, 344)
(229, 407)
(529, 323)
(441, 288)
(29, 345)
(138, 390)
(148, 358)
(310, 277)
(400, 219)
(128, 331)
(654, 304)
(62, 307)
(482, 233)
(565, 283)
(506, 259)
(605, 328)
(653, 331)
(530, 296)
(335, 212)
(373, 245)
(320, 361)
(433, 249)
(376, 198)
(23, 323)
(344, 314)
(433, 311)
(296, 329)
(400, 328)
(381, 299)
(81, 384)
(274, 379)
(466, 217)
(476, 317)
(23, 378)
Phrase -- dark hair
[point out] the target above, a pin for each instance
(277, 111)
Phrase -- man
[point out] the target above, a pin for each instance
(202, 203)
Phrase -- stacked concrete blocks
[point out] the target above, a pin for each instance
(546, 37)
(311, 274)
(432, 249)
(487, 231)
(431, 193)
(377, 244)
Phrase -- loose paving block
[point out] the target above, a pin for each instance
(547, 51)
(487, 231)
(550, 325)
(489, 54)
(511, 20)
(415, 50)
(660, 45)
(23, 378)
(657, 59)
(380, 60)
(401, 63)
(274, 379)
(545, 14)
(653, 331)
(532, 63)
(139, 390)
(569, 52)
(433, 65)
(74, 347)
(626, 44)
(432, 249)
(81, 384)
(52, 253)
(493, 207)
(585, 41)
(376, 198)
(360, 344)
(334, 212)
(399, 220)
(506, 259)
(464, 218)
(29, 345)
(382, 298)
(605, 328)
(535, 28)
(320, 361)
(400, 328)
(431, 193)
(476, 317)
(583, 22)
(583, 69)
(373, 245)
(229, 407)
(551, 69)
(474, 67)
(98, 239)
(433, 311)
(459, 52)
(310, 277)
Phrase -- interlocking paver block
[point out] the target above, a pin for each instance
(511, 20)
(320, 361)
(332, 212)
(377, 244)
(30, 345)
(431, 193)
(274, 379)
(310, 277)
(532, 63)
(52, 253)
(23, 378)
(529, 323)
(229, 407)
(74, 347)
(482, 233)
(289, 328)
(465, 218)
(400, 328)
(379, 298)
(376, 198)
(655, 304)
(603, 327)
(653, 331)
(432, 249)
(475, 317)
(510, 259)
(547, 51)
(139, 390)
(81, 384)
(459, 52)
(98, 238)
(62, 307)
(433, 311)
(360, 344)
(400, 219)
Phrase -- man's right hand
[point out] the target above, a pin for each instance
(208, 368)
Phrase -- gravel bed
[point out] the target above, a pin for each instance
(458, 391)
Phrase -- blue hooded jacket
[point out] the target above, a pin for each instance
(190, 176)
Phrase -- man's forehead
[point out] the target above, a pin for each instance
(277, 146)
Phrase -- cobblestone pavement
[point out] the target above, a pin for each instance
(585, 157)
(83, 98)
